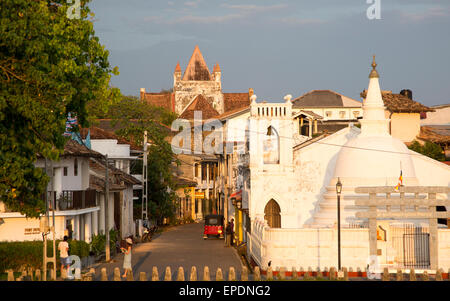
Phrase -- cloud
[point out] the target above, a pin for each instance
(430, 13)
(205, 19)
(300, 21)
(192, 3)
(254, 8)
(240, 11)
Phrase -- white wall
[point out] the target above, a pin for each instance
(69, 182)
(303, 248)
(110, 147)
(444, 249)
(13, 228)
(335, 113)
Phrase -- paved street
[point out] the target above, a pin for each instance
(178, 246)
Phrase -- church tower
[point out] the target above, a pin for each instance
(197, 80)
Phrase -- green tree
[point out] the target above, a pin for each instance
(49, 65)
(133, 117)
(429, 149)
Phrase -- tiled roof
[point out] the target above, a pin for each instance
(197, 68)
(308, 113)
(398, 103)
(200, 103)
(324, 98)
(116, 175)
(435, 134)
(99, 133)
(184, 182)
(234, 101)
(164, 100)
(73, 148)
(230, 113)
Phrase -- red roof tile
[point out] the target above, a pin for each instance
(164, 100)
(200, 103)
(398, 103)
(234, 101)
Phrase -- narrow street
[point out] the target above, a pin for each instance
(178, 246)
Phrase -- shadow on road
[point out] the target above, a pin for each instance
(141, 261)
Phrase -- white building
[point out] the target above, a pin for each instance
(292, 197)
(77, 205)
(79, 192)
(121, 155)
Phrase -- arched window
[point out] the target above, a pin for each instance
(272, 214)
(271, 147)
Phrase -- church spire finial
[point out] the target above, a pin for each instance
(177, 67)
(374, 72)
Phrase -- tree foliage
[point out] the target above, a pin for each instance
(429, 149)
(49, 65)
(134, 117)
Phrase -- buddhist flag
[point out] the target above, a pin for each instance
(400, 181)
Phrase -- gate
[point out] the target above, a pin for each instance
(412, 246)
(416, 250)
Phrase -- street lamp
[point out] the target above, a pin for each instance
(338, 192)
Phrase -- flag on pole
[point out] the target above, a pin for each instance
(400, 181)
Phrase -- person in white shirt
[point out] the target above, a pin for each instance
(63, 248)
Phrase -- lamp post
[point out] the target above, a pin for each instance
(338, 192)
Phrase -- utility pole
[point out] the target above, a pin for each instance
(144, 181)
(107, 250)
(45, 226)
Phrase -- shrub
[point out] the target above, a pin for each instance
(98, 244)
(15, 255)
(429, 149)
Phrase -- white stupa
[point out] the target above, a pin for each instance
(373, 158)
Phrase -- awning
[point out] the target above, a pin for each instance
(237, 195)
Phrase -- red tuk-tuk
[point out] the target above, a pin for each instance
(213, 226)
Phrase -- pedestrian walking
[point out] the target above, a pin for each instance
(63, 248)
(127, 257)
(232, 231)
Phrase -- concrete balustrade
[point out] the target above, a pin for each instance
(281, 273)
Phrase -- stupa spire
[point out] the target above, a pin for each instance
(374, 122)
(374, 73)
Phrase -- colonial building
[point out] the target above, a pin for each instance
(335, 111)
(289, 190)
(404, 114)
(322, 111)
(197, 90)
(78, 191)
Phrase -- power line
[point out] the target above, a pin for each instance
(318, 142)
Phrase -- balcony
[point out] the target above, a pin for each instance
(75, 199)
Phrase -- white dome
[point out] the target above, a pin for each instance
(374, 160)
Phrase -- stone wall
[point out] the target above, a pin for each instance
(186, 91)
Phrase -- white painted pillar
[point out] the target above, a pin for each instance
(111, 211)
(94, 217)
(101, 219)
(87, 227)
(76, 227)
(310, 121)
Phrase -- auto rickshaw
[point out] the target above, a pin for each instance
(213, 226)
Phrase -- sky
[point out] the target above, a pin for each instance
(281, 47)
